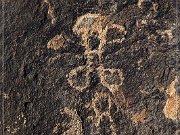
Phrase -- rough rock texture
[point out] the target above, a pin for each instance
(90, 67)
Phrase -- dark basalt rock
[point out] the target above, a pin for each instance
(95, 67)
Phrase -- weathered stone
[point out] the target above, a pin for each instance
(95, 67)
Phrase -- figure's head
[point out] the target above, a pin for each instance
(96, 30)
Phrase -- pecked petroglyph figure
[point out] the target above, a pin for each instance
(93, 29)
(101, 104)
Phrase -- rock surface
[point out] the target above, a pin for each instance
(90, 67)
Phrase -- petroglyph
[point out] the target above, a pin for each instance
(73, 123)
(95, 31)
(113, 80)
(101, 104)
(148, 3)
(50, 11)
(166, 33)
(79, 78)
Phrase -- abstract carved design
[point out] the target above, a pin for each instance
(95, 33)
(71, 123)
(101, 104)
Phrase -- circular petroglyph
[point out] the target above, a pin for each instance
(79, 78)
